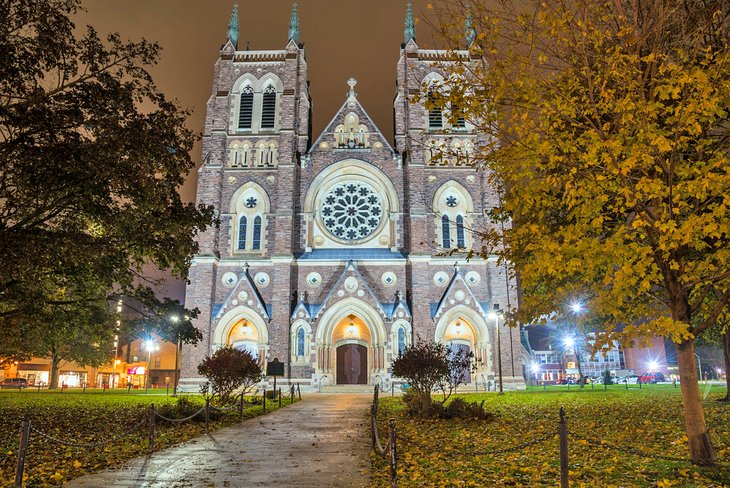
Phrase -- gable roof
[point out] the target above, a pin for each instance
(244, 281)
(457, 280)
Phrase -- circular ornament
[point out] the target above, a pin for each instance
(314, 279)
(441, 278)
(230, 279)
(262, 280)
(389, 278)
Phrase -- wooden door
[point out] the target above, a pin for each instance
(352, 365)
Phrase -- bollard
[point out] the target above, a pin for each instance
(291, 394)
(167, 390)
(393, 456)
(299, 390)
(207, 415)
(639, 382)
(627, 384)
(392, 389)
(24, 436)
(279, 397)
(240, 409)
(84, 388)
(39, 387)
(151, 434)
(264, 399)
(563, 431)
(543, 385)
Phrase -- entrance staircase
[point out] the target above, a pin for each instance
(368, 389)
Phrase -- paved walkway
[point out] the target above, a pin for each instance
(318, 442)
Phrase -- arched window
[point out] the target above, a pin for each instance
(435, 119)
(268, 108)
(445, 232)
(300, 341)
(401, 340)
(256, 233)
(245, 113)
(242, 233)
(460, 240)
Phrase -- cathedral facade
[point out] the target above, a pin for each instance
(335, 253)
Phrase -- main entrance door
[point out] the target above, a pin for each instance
(455, 348)
(352, 364)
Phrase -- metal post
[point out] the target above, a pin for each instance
(24, 436)
(151, 434)
(392, 389)
(393, 456)
(240, 409)
(299, 390)
(499, 356)
(563, 432)
(264, 400)
(291, 394)
(279, 397)
(638, 380)
(207, 415)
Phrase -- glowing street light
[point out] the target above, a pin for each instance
(576, 307)
(150, 346)
(653, 366)
(569, 342)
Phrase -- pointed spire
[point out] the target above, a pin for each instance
(410, 31)
(294, 25)
(471, 33)
(233, 27)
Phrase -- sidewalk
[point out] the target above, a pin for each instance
(319, 442)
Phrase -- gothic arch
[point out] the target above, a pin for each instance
(237, 202)
(473, 317)
(233, 317)
(351, 306)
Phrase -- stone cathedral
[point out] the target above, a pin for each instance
(336, 252)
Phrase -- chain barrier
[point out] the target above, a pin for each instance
(627, 450)
(180, 420)
(223, 409)
(92, 444)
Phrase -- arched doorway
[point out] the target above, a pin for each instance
(462, 328)
(351, 338)
(351, 344)
(460, 336)
(243, 329)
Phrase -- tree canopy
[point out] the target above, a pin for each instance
(610, 129)
(92, 155)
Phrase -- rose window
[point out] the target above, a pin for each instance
(351, 211)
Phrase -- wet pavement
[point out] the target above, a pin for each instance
(318, 442)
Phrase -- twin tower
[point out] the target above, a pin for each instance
(335, 253)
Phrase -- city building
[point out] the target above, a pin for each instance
(335, 252)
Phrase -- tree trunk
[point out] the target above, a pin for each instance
(700, 446)
(53, 379)
(726, 354)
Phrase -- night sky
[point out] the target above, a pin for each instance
(341, 38)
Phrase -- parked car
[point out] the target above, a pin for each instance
(631, 379)
(652, 377)
(14, 383)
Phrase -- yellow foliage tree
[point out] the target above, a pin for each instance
(611, 118)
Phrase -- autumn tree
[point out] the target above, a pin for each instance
(91, 158)
(610, 122)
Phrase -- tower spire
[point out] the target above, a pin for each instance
(471, 33)
(294, 25)
(233, 27)
(410, 30)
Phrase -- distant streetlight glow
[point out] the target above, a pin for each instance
(576, 307)
(653, 366)
(175, 318)
(535, 367)
(569, 341)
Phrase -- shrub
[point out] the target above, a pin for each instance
(460, 409)
(228, 369)
(432, 365)
(183, 408)
(607, 378)
(457, 409)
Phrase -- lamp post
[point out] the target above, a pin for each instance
(576, 308)
(535, 369)
(175, 319)
(150, 346)
(494, 315)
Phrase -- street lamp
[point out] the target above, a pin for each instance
(494, 315)
(653, 366)
(577, 308)
(535, 369)
(571, 344)
(175, 319)
(150, 346)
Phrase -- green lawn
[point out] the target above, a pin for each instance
(89, 417)
(461, 453)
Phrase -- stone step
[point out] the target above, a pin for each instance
(348, 389)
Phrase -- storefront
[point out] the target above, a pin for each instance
(72, 379)
(136, 376)
(36, 374)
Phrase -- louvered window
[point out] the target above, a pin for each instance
(445, 232)
(256, 233)
(268, 108)
(242, 233)
(460, 239)
(245, 114)
(435, 120)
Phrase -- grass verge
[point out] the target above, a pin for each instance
(90, 417)
(462, 452)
